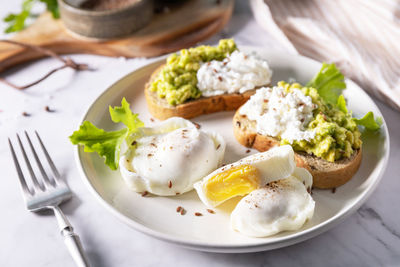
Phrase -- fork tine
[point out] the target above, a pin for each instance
(28, 164)
(21, 178)
(44, 174)
(49, 160)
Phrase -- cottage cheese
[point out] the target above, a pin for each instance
(237, 73)
(278, 113)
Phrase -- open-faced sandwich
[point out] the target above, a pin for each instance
(204, 80)
(313, 119)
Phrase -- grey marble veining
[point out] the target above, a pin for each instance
(369, 237)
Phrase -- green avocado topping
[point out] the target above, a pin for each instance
(336, 133)
(177, 81)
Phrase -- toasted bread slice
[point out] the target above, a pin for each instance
(325, 174)
(161, 109)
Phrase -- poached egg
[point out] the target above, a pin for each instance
(169, 158)
(244, 176)
(283, 205)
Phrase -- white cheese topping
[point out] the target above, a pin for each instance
(279, 114)
(237, 73)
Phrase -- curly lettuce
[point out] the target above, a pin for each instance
(369, 122)
(329, 82)
(108, 144)
(124, 114)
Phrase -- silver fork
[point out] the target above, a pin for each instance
(48, 194)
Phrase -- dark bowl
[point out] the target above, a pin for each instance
(105, 24)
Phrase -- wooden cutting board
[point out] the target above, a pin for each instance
(181, 27)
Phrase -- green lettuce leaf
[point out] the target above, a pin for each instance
(329, 82)
(108, 144)
(369, 122)
(124, 114)
(341, 104)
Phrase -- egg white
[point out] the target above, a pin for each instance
(283, 205)
(304, 177)
(170, 157)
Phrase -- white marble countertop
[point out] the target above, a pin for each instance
(369, 237)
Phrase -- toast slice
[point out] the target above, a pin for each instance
(161, 109)
(325, 174)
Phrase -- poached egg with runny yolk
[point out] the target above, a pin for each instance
(246, 175)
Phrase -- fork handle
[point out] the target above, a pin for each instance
(71, 240)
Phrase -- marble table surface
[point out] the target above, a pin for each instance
(369, 237)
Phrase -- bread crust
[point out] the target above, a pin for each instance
(325, 174)
(160, 109)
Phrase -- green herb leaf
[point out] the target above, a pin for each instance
(341, 104)
(124, 114)
(9, 18)
(52, 7)
(329, 82)
(17, 22)
(369, 122)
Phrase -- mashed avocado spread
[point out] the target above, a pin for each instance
(336, 133)
(177, 81)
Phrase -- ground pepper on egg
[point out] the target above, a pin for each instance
(336, 133)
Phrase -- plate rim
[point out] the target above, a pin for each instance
(224, 248)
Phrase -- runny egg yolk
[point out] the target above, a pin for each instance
(237, 181)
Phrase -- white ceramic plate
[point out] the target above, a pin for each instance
(157, 216)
